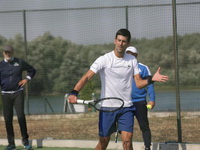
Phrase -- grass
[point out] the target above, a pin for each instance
(66, 126)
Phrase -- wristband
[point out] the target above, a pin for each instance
(150, 80)
(74, 92)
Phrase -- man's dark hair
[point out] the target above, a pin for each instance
(124, 32)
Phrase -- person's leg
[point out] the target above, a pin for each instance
(127, 140)
(8, 117)
(19, 107)
(125, 126)
(103, 143)
(142, 117)
(107, 125)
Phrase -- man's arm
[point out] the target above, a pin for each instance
(140, 83)
(30, 73)
(157, 77)
(151, 94)
(81, 83)
(146, 74)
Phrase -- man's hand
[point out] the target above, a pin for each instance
(157, 77)
(72, 99)
(22, 82)
(152, 103)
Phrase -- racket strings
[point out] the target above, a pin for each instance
(109, 104)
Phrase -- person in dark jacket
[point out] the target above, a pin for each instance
(11, 82)
(139, 100)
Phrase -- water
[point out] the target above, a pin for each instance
(45, 105)
(189, 101)
(165, 101)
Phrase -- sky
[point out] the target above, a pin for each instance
(6, 5)
(54, 4)
(96, 26)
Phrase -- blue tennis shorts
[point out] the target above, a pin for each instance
(122, 119)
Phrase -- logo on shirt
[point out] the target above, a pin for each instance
(16, 64)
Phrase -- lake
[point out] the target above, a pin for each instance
(165, 101)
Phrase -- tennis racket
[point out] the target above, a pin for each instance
(108, 104)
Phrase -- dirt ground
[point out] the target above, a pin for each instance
(85, 126)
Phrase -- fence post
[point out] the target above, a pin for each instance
(126, 17)
(175, 45)
(26, 53)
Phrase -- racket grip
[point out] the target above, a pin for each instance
(79, 101)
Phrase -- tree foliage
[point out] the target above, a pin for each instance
(61, 63)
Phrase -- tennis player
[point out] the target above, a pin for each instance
(139, 100)
(116, 70)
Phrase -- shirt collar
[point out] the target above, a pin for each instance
(7, 60)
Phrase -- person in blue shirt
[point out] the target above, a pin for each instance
(12, 83)
(139, 99)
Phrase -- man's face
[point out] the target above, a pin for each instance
(134, 54)
(121, 43)
(7, 55)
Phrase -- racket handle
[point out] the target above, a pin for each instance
(79, 101)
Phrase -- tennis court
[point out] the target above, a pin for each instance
(49, 148)
(114, 146)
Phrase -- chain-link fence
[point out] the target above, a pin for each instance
(62, 43)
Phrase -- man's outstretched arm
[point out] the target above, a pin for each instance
(157, 77)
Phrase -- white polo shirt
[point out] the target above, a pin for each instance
(116, 75)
